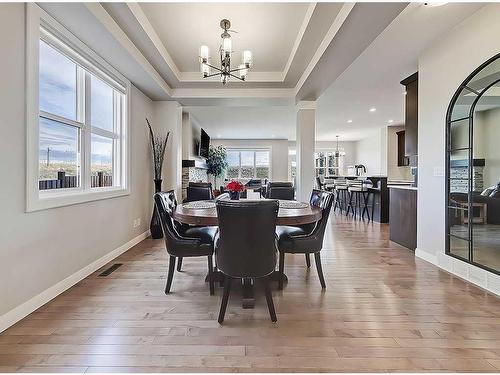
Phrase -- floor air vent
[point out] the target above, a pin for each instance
(111, 269)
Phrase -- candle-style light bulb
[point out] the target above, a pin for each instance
(247, 58)
(227, 46)
(204, 54)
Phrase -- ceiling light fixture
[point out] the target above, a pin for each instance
(338, 153)
(390, 121)
(349, 121)
(225, 51)
(373, 109)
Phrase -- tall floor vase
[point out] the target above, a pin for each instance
(155, 226)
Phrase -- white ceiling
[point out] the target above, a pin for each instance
(372, 80)
(246, 122)
(350, 55)
(183, 27)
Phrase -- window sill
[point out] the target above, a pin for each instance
(53, 199)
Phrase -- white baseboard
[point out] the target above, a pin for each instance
(431, 258)
(468, 272)
(21, 311)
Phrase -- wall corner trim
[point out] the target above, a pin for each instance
(16, 314)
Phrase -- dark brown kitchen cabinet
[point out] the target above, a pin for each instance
(411, 114)
(403, 161)
(403, 216)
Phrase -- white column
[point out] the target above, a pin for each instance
(168, 117)
(305, 133)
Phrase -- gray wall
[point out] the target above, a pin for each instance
(442, 68)
(39, 249)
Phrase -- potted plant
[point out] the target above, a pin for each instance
(216, 162)
(158, 147)
(235, 188)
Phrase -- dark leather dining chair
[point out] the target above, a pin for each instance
(283, 193)
(193, 242)
(297, 240)
(266, 189)
(199, 191)
(245, 247)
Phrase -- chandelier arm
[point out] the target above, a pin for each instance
(213, 67)
(213, 75)
(237, 70)
(232, 75)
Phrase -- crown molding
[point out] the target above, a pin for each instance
(253, 76)
(232, 93)
(115, 30)
(332, 31)
(298, 39)
(108, 22)
(306, 104)
(143, 21)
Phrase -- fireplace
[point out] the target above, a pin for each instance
(193, 171)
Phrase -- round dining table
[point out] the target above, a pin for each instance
(188, 214)
(204, 213)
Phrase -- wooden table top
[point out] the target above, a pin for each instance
(208, 216)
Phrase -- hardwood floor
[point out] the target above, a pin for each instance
(383, 310)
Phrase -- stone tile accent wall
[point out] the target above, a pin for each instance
(460, 186)
(192, 174)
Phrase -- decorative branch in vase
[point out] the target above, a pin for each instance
(158, 147)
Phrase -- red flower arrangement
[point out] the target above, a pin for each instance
(235, 186)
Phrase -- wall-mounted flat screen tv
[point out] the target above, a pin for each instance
(204, 144)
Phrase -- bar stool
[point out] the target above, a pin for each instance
(360, 192)
(341, 195)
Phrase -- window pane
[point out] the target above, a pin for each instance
(247, 164)
(262, 164)
(233, 161)
(101, 163)
(58, 155)
(101, 104)
(57, 78)
(459, 247)
(233, 158)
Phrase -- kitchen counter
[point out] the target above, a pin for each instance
(406, 187)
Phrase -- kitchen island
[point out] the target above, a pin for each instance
(403, 215)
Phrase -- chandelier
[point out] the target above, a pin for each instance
(225, 51)
(338, 153)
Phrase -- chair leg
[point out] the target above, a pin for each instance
(211, 275)
(269, 299)
(225, 298)
(317, 259)
(170, 276)
(179, 264)
(308, 260)
(281, 270)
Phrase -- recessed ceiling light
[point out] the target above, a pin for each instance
(349, 121)
(373, 109)
(390, 121)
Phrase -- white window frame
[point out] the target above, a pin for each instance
(254, 150)
(40, 25)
